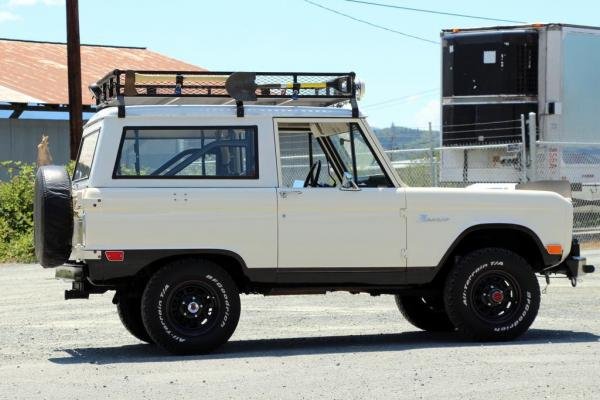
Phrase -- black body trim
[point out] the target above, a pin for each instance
(102, 271)
(548, 258)
(134, 261)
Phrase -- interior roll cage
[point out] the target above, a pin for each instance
(186, 157)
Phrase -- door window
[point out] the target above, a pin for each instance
(301, 154)
(356, 155)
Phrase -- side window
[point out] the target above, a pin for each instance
(299, 150)
(356, 155)
(86, 156)
(178, 152)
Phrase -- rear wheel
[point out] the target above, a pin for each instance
(492, 294)
(130, 314)
(425, 312)
(190, 306)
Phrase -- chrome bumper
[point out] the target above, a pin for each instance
(69, 273)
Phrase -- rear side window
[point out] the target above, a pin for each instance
(86, 157)
(188, 152)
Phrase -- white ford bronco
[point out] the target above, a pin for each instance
(193, 187)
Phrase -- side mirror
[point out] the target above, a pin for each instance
(348, 182)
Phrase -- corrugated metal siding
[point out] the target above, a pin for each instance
(19, 140)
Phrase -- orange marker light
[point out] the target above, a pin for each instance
(554, 249)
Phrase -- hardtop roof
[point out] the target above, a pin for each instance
(230, 111)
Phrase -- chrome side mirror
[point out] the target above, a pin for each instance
(348, 182)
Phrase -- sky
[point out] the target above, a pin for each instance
(402, 74)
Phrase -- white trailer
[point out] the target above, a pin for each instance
(492, 76)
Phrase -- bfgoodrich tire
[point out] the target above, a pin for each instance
(53, 216)
(190, 306)
(130, 314)
(492, 294)
(425, 312)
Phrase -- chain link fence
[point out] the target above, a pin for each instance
(461, 166)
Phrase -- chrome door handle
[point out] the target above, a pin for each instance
(286, 193)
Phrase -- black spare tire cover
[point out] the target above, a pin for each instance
(53, 216)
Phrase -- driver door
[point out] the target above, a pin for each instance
(324, 229)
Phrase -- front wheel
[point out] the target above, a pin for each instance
(492, 294)
(190, 306)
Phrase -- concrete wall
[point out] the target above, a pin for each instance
(19, 139)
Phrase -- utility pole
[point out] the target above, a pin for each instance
(74, 76)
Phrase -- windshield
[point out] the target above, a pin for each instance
(86, 156)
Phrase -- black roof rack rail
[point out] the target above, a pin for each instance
(132, 87)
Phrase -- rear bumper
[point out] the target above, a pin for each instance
(78, 276)
(69, 272)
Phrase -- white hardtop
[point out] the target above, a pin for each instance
(175, 111)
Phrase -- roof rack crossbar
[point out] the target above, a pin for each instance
(132, 87)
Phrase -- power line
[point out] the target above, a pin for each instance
(396, 99)
(371, 23)
(433, 11)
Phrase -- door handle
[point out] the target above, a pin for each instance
(285, 193)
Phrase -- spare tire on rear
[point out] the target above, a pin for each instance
(53, 216)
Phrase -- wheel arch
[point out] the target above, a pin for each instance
(230, 261)
(518, 238)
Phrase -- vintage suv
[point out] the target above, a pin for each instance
(193, 187)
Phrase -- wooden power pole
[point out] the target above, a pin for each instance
(74, 72)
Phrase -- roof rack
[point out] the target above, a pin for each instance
(130, 87)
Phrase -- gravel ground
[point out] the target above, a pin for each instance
(338, 346)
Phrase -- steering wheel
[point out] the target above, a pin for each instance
(312, 178)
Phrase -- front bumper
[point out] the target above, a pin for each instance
(574, 266)
(577, 267)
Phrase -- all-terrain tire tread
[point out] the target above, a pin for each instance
(198, 264)
(425, 321)
(133, 323)
(451, 301)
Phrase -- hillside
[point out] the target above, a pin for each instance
(398, 137)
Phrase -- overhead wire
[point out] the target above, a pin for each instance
(397, 99)
(372, 24)
(433, 11)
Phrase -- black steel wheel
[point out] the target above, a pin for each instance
(190, 306)
(492, 294)
(495, 297)
(425, 312)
